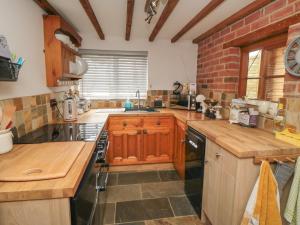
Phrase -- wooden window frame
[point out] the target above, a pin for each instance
(265, 45)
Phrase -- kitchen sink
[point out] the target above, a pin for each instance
(141, 110)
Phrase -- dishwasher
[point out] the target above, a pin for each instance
(194, 168)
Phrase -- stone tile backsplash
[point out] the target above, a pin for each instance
(32, 112)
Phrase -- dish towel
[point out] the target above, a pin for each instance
(283, 173)
(263, 207)
(292, 210)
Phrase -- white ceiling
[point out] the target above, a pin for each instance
(111, 15)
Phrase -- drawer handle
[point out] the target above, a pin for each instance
(218, 155)
(145, 131)
(158, 123)
(124, 124)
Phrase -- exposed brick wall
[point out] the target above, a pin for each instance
(218, 68)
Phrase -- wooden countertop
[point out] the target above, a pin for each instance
(48, 189)
(243, 142)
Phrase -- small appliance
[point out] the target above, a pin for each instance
(191, 99)
(70, 109)
(236, 106)
(200, 104)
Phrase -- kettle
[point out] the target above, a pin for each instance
(70, 109)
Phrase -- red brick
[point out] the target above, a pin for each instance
(229, 37)
(242, 31)
(297, 6)
(230, 59)
(275, 6)
(226, 30)
(232, 51)
(230, 79)
(260, 23)
(232, 66)
(253, 17)
(282, 13)
(237, 25)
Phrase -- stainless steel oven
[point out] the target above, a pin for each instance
(87, 206)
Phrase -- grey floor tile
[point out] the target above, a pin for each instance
(123, 193)
(138, 177)
(134, 223)
(188, 220)
(108, 216)
(143, 210)
(112, 179)
(181, 206)
(168, 175)
(162, 189)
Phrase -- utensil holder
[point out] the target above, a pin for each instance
(9, 71)
(6, 142)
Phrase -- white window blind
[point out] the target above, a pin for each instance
(114, 74)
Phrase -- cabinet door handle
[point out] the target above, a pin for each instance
(218, 155)
(145, 131)
(139, 132)
(124, 124)
(158, 123)
(206, 161)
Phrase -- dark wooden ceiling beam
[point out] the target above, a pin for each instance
(90, 13)
(269, 31)
(45, 5)
(130, 8)
(252, 7)
(200, 16)
(170, 6)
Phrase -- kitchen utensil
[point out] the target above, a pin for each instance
(177, 88)
(8, 113)
(39, 162)
(4, 131)
(6, 142)
(70, 109)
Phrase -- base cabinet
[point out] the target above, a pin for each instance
(179, 148)
(141, 139)
(228, 182)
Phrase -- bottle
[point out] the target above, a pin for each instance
(279, 119)
(128, 104)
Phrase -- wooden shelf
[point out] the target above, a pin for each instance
(57, 54)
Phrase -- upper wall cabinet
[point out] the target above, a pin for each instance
(59, 56)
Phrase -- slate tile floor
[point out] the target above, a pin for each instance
(148, 198)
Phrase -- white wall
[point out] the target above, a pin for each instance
(167, 62)
(21, 23)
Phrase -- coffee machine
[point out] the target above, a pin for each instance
(70, 108)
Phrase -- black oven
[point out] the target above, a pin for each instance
(91, 193)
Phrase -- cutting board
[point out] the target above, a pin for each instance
(39, 161)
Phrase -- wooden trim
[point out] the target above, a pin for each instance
(200, 16)
(170, 6)
(90, 13)
(262, 74)
(252, 7)
(47, 7)
(130, 8)
(243, 74)
(272, 30)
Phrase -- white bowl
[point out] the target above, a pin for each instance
(63, 38)
(82, 66)
(6, 142)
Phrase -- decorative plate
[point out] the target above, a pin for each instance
(292, 58)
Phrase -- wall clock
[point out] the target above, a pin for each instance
(292, 58)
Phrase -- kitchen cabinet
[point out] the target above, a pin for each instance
(179, 148)
(141, 139)
(57, 54)
(228, 182)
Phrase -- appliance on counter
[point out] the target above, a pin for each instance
(92, 188)
(70, 109)
(194, 168)
(212, 109)
(187, 102)
(236, 106)
(200, 104)
(83, 105)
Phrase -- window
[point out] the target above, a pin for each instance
(263, 70)
(114, 74)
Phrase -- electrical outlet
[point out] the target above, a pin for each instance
(53, 103)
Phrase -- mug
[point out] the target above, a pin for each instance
(6, 142)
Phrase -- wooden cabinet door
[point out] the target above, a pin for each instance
(211, 185)
(158, 145)
(125, 147)
(179, 149)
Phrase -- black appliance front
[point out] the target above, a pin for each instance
(194, 168)
(88, 204)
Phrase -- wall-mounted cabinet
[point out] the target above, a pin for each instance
(58, 55)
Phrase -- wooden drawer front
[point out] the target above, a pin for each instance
(156, 122)
(121, 123)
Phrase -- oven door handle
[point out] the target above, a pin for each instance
(102, 187)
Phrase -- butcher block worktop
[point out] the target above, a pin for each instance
(241, 141)
(47, 189)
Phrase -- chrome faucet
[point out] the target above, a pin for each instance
(138, 95)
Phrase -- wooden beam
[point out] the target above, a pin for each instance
(90, 13)
(130, 8)
(45, 5)
(252, 7)
(170, 6)
(271, 30)
(200, 16)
